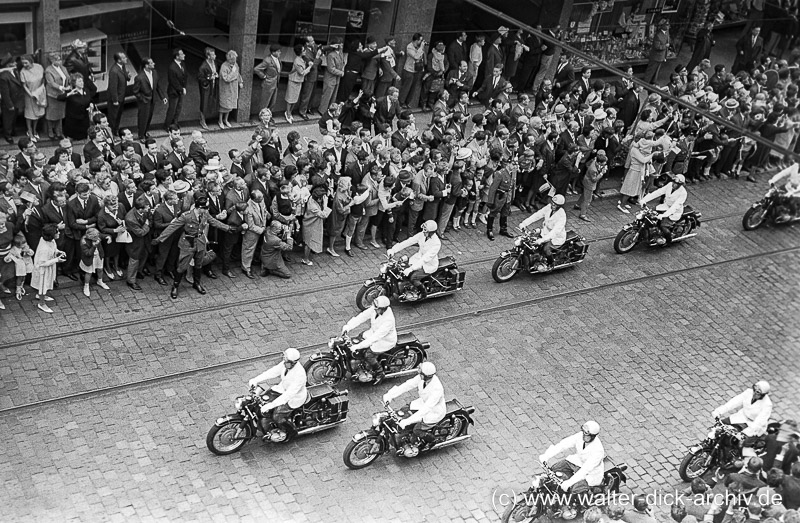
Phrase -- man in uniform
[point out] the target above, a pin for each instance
(501, 194)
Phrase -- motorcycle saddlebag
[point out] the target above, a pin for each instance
(338, 407)
(457, 278)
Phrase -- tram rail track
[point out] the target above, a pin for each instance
(252, 301)
(407, 328)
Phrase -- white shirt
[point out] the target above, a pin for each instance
(292, 387)
(554, 227)
(754, 415)
(149, 75)
(588, 458)
(674, 200)
(427, 257)
(382, 333)
(792, 182)
(430, 406)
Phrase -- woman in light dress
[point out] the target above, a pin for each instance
(44, 265)
(32, 77)
(56, 82)
(231, 82)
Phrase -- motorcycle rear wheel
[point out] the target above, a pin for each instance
(754, 218)
(366, 295)
(625, 241)
(503, 269)
(219, 440)
(688, 469)
(323, 371)
(458, 427)
(398, 363)
(519, 511)
(356, 454)
(681, 228)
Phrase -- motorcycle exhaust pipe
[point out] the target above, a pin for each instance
(312, 430)
(685, 236)
(451, 442)
(402, 373)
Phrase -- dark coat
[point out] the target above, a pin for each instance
(144, 91)
(176, 79)
(384, 115)
(117, 82)
(139, 227)
(12, 95)
(76, 211)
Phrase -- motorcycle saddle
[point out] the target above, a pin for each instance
(571, 236)
(687, 209)
(317, 391)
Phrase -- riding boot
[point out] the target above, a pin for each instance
(176, 282)
(504, 227)
(489, 227)
(197, 273)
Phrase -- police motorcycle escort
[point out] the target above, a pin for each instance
(280, 414)
(420, 277)
(542, 250)
(780, 205)
(428, 423)
(379, 353)
(670, 222)
(568, 486)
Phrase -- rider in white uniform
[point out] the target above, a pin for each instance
(380, 337)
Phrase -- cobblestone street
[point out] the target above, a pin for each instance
(647, 344)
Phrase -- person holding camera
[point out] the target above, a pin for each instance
(412, 70)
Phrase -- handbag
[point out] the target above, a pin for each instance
(124, 237)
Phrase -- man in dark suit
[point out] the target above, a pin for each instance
(565, 76)
(167, 257)
(457, 51)
(118, 77)
(144, 87)
(748, 51)
(494, 55)
(138, 222)
(231, 241)
(176, 87)
(356, 170)
(492, 87)
(387, 108)
(148, 190)
(151, 157)
(75, 158)
(236, 195)
(12, 96)
(127, 195)
(27, 150)
(178, 155)
(82, 213)
(458, 80)
(399, 139)
(567, 139)
(36, 185)
(584, 83)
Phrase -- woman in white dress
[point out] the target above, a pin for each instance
(44, 265)
(32, 76)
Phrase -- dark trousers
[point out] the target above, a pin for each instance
(346, 85)
(409, 83)
(371, 359)
(167, 257)
(651, 73)
(547, 250)
(229, 242)
(9, 118)
(282, 417)
(114, 116)
(773, 449)
(173, 110)
(424, 432)
(307, 92)
(666, 228)
(72, 247)
(145, 116)
(569, 470)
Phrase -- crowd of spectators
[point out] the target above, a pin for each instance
(543, 128)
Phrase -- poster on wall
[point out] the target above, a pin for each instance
(670, 6)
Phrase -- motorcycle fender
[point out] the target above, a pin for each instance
(695, 449)
(317, 356)
(371, 282)
(627, 227)
(360, 435)
(506, 254)
(225, 419)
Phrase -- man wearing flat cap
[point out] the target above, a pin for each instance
(658, 51)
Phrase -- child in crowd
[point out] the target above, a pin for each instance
(22, 257)
(92, 259)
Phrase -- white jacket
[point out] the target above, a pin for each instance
(554, 227)
(427, 257)
(673, 199)
(792, 181)
(589, 459)
(754, 415)
(292, 387)
(382, 334)
(430, 406)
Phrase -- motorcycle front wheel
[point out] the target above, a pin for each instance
(504, 269)
(520, 511)
(754, 218)
(356, 454)
(228, 438)
(366, 295)
(323, 371)
(625, 241)
(694, 465)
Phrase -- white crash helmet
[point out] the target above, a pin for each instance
(558, 199)
(430, 226)
(591, 427)
(427, 368)
(763, 386)
(381, 302)
(291, 354)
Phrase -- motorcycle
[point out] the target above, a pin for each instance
(339, 362)
(392, 283)
(525, 256)
(325, 407)
(722, 450)
(543, 497)
(645, 228)
(771, 209)
(385, 435)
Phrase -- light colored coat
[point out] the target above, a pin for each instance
(588, 458)
(754, 415)
(430, 407)
(382, 333)
(427, 257)
(292, 387)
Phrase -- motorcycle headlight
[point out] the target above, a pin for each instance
(404, 259)
(537, 481)
(377, 418)
(384, 268)
(518, 241)
(240, 401)
(640, 215)
(330, 343)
